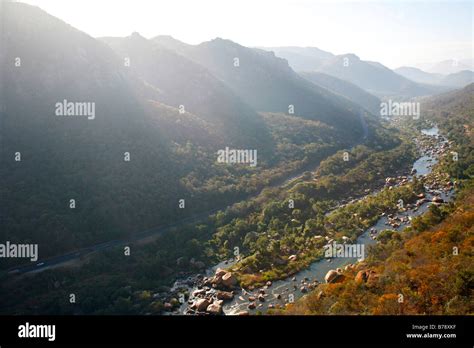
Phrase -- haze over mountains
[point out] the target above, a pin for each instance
(302, 58)
(112, 169)
(344, 88)
(457, 79)
(76, 157)
(446, 67)
(183, 82)
(266, 82)
(373, 77)
(138, 112)
(171, 106)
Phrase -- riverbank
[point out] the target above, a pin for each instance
(276, 294)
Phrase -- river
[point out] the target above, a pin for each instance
(318, 269)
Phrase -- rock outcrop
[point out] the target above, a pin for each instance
(334, 276)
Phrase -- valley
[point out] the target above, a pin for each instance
(277, 293)
(155, 177)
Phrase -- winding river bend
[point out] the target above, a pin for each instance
(283, 291)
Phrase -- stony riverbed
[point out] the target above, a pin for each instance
(215, 291)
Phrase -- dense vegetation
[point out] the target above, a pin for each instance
(252, 225)
(172, 154)
(431, 263)
(268, 237)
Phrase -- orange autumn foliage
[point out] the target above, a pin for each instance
(433, 270)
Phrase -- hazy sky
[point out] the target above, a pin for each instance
(394, 33)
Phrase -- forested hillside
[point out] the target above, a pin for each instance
(110, 164)
(267, 83)
(345, 89)
(159, 120)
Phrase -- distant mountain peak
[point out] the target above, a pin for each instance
(137, 36)
(170, 43)
(351, 56)
(220, 42)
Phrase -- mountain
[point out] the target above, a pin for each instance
(375, 78)
(115, 115)
(450, 66)
(267, 83)
(170, 43)
(419, 75)
(345, 89)
(83, 157)
(99, 123)
(77, 157)
(184, 82)
(301, 58)
(458, 79)
(458, 105)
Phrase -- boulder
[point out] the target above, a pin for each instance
(229, 280)
(214, 308)
(202, 304)
(348, 267)
(333, 277)
(330, 275)
(361, 277)
(251, 305)
(224, 295)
